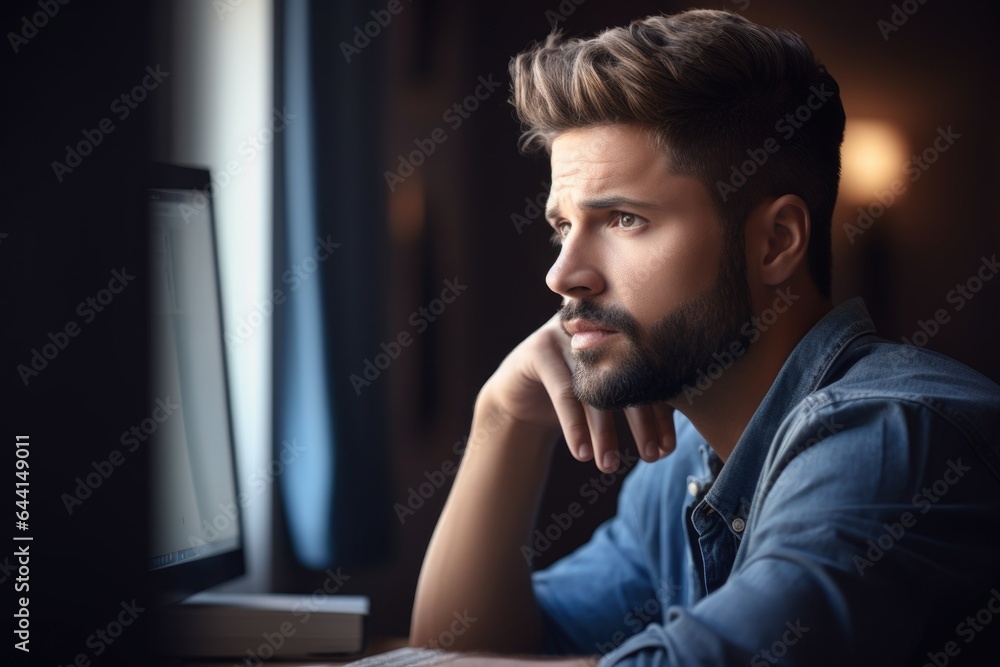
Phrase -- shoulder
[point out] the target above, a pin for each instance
(872, 365)
(889, 412)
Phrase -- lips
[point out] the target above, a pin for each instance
(574, 327)
(586, 334)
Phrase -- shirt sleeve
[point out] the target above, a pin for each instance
(607, 590)
(854, 543)
(586, 596)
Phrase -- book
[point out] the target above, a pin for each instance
(258, 627)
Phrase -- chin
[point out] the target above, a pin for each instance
(617, 388)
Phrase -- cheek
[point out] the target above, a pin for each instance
(663, 271)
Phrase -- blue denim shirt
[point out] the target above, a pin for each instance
(859, 510)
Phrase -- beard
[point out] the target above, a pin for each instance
(656, 366)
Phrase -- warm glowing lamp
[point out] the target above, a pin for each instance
(873, 156)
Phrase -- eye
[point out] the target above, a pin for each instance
(561, 230)
(627, 220)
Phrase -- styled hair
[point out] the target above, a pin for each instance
(746, 109)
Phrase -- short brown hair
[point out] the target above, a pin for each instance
(726, 97)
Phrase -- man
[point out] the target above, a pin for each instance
(810, 493)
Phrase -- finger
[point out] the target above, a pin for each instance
(605, 440)
(558, 382)
(642, 423)
(664, 415)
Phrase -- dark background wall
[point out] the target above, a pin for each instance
(453, 218)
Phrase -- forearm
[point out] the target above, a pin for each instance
(473, 566)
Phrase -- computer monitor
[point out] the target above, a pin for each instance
(196, 534)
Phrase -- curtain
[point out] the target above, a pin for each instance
(330, 247)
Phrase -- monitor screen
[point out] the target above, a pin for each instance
(195, 536)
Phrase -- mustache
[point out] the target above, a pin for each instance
(610, 316)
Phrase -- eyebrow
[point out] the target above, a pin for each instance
(602, 203)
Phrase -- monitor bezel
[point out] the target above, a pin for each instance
(173, 584)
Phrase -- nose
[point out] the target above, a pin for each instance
(575, 272)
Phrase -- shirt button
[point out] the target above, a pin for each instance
(693, 488)
(739, 524)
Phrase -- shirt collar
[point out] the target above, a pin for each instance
(801, 374)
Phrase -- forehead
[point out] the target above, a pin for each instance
(593, 160)
(617, 162)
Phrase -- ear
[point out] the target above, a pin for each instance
(779, 237)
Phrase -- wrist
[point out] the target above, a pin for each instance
(491, 420)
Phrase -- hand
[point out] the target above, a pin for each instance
(534, 385)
